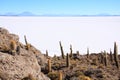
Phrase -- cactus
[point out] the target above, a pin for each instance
(87, 52)
(18, 50)
(77, 52)
(67, 60)
(111, 57)
(62, 52)
(60, 75)
(49, 66)
(25, 39)
(101, 57)
(105, 58)
(47, 53)
(71, 51)
(13, 47)
(116, 55)
(27, 45)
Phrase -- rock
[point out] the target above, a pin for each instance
(23, 63)
(3, 31)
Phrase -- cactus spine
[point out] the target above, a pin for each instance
(49, 65)
(116, 55)
(60, 75)
(62, 52)
(67, 60)
(71, 51)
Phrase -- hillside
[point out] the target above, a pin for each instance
(25, 62)
(18, 61)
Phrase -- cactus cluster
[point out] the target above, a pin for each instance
(102, 60)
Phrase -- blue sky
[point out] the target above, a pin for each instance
(67, 7)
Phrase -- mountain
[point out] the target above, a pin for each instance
(26, 14)
(54, 15)
(19, 14)
(9, 14)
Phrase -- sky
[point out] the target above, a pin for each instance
(96, 33)
(60, 7)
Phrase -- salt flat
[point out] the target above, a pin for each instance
(97, 33)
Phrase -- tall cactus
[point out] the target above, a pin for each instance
(25, 39)
(77, 52)
(67, 60)
(60, 76)
(47, 53)
(105, 58)
(111, 56)
(87, 52)
(116, 55)
(61, 48)
(49, 66)
(71, 51)
(101, 57)
(27, 45)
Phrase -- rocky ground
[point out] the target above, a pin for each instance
(94, 66)
(84, 68)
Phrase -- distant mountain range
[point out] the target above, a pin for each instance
(31, 14)
(20, 14)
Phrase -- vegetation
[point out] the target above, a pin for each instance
(94, 66)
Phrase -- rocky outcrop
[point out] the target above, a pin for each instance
(18, 63)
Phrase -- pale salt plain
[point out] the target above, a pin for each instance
(97, 33)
